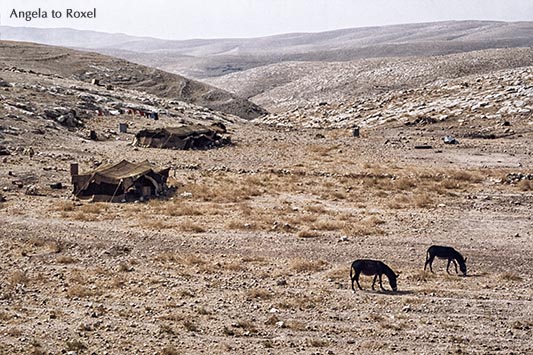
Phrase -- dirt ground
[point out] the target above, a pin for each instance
(252, 253)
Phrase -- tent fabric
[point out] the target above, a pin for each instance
(124, 170)
(121, 180)
(185, 137)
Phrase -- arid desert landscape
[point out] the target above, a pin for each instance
(250, 250)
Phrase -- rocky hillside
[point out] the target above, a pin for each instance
(86, 67)
(490, 82)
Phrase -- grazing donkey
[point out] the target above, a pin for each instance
(445, 253)
(369, 268)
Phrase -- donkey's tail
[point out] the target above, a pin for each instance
(351, 272)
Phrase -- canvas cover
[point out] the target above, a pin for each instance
(185, 137)
(120, 181)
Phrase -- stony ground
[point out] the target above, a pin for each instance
(252, 253)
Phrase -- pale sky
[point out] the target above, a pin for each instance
(180, 19)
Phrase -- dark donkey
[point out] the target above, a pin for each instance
(372, 267)
(445, 253)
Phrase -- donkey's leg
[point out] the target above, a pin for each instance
(381, 283)
(357, 273)
(455, 264)
(448, 266)
(429, 262)
(352, 277)
(374, 281)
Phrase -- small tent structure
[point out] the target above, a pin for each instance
(185, 137)
(121, 181)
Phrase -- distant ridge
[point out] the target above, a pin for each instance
(201, 58)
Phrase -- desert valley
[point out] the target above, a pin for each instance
(360, 143)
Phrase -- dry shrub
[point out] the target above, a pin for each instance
(223, 190)
(339, 273)
(156, 224)
(193, 259)
(258, 293)
(77, 276)
(174, 317)
(181, 208)
(65, 206)
(423, 201)
(246, 325)
(303, 265)
(510, 276)
(118, 282)
(169, 350)
(327, 225)
(319, 209)
(450, 184)
(18, 277)
(398, 202)
(233, 266)
(367, 226)
(305, 219)
(190, 226)
(466, 176)
(318, 343)
(4, 316)
(80, 291)
(404, 183)
(421, 276)
(81, 216)
(295, 325)
(54, 246)
(95, 208)
(76, 345)
(253, 259)
(525, 185)
(66, 259)
(190, 326)
(308, 234)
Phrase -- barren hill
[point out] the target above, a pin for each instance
(202, 58)
(86, 66)
(290, 85)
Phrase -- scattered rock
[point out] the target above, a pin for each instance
(450, 140)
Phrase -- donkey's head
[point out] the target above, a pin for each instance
(392, 282)
(462, 266)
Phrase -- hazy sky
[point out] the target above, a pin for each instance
(251, 18)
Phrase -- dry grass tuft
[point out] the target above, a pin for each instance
(525, 185)
(327, 225)
(190, 226)
(169, 350)
(246, 325)
(303, 265)
(510, 276)
(76, 346)
(258, 293)
(81, 292)
(190, 326)
(421, 276)
(423, 201)
(308, 234)
(18, 277)
(318, 343)
(66, 259)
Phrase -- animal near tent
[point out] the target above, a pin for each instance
(123, 181)
(185, 137)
